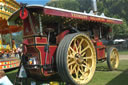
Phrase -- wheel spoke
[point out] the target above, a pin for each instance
(76, 72)
(85, 62)
(72, 50)
(86, 67)
(75, 45)
(82, 76)
(83, 53)
(81, 71)
(79, 49)
(113, 54)
(84, 49)
(81, 67)
(71, 56)
(116, 55)
(73, 62)
(70, 67)
(87, 58)
(73, 69)
(80, 44)
(112, 59)
(113, 63)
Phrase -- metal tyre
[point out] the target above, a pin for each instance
(112, 58)
(76, 59)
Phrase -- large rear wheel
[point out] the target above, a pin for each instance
(76, 59)
(112, 58)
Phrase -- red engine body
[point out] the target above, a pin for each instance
(100, 50)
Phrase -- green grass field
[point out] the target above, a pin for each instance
(123, 52)
(102, 75)
(105, 77)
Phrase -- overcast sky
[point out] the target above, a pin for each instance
(42, 2)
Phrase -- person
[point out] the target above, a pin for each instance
(19, 49)
(14, 49)
(13, 45)
(4, 80)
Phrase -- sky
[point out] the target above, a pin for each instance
(41, 2)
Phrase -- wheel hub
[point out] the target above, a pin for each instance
(79, 58)
(77, 55)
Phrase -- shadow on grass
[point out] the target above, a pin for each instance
(11, 73)
(101, 68)
(121, 79)
(106, 69)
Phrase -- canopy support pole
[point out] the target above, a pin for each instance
(41, 28)
(1, 37)
(11, 40)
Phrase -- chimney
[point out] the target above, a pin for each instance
(94, 5)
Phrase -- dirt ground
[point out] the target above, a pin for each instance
(123, 57)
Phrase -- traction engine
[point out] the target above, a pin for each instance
(62, 44)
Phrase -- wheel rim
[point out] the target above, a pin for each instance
(114, 59)
(81, 59)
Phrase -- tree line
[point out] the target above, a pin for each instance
(111, 8)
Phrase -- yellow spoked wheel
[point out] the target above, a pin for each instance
(112, 58)
(76, 59)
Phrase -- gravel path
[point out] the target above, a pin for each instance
(123, 57)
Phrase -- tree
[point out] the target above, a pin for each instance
(111, 8)
(66, 4)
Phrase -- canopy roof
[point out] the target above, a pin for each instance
(7, 7)
(47, 10)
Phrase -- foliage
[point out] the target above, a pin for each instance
(18, 37)
(111, 8)
(117, 9)
(120, 31)
(66, 4)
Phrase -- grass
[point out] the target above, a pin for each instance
(125, 52)
(102, 75)
(11, 74)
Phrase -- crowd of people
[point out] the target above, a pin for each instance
(14, 52)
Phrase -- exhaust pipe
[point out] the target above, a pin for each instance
(94, 5)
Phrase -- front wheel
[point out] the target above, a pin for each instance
(76, 59)
(112, 58)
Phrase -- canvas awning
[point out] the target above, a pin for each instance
(5, 29)
(52, 11)
(7, 7)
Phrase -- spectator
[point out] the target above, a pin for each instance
(4, 79)
(20, 50)
(13, 45)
